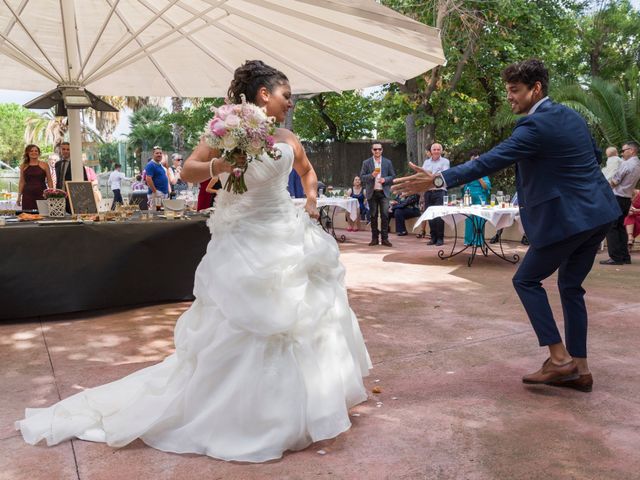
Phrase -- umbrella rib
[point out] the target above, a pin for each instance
(26, 30)
(133, 35)
(98, 36)
(343, 55)
(401, 22)
(189, 35)
(12, 23)
(140, 54)
(365, 36)
(151, 59)
(118, 47)
(29, 63)
(279, 57)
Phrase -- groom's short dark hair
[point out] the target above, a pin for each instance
(528, 72)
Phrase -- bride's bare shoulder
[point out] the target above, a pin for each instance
(284, 135)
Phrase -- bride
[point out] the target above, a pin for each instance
(269, 357)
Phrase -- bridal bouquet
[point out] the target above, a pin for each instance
(241, 130)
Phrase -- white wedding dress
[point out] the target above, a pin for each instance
(268, 358)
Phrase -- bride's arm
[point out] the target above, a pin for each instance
(308, 177)
(202, 163)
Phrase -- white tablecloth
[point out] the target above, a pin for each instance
(8, 205)
(498, 217)
(348, 204)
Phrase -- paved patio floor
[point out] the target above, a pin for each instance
(449, 344)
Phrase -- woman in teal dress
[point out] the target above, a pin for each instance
(479, 190)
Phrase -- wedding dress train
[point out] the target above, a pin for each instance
(268, 358)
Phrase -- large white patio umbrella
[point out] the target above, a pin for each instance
(190, 48)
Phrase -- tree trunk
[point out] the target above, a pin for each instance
(426, 136)
(412, 138)
(319, 102)
(178, 130)
(288, 121)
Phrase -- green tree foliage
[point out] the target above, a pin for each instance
(609, 40)
(148, 129)
(612, 111)
(193, 120)
(336, 117)
(12, 124)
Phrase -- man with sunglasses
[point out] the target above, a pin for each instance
(623, 183)
(377, 174)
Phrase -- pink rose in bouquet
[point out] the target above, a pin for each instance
(54, 193)
(243, 129)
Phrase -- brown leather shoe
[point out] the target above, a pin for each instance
(550, 372)
(584, 383)
(386, 243)
(373, 243)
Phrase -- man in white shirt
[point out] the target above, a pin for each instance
(613, 162)
(115, 182)
(436, 164)
(623, 183)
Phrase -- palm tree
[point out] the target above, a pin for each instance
(107, 122)
(612, 110)
(177, 105)
(149, 129)
(46, 129)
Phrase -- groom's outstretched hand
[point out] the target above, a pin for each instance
(419, 182)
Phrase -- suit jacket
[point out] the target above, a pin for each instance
(59, 181)
(561, 190)
(387, 172)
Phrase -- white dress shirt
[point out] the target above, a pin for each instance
(377, 164)
(115, 179)
(436, 166)
(626, 177)
(612, 165)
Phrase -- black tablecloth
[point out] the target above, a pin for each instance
(55, 269)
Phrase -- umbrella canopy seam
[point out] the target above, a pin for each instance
(315, 44)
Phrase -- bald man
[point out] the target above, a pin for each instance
(613, 162)
(434, 196)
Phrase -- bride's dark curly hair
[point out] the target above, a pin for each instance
(249, 77)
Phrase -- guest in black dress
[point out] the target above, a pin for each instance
(34, 178)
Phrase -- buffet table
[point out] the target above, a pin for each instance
(52, 269)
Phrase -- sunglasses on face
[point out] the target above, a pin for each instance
(624, 150)
(376, 149)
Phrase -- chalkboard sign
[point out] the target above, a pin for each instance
(81, 197)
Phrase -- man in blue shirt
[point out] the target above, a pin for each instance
(156, 178)
(566, 208)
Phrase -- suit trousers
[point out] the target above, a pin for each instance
(401, 214)
(436, 226)
(379, 203)
(573, 259)
(117, 198)
(617, 235)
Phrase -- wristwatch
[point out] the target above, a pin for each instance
(438, 181)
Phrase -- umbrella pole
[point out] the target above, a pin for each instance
(75, 140)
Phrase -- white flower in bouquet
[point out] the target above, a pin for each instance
(243, 129)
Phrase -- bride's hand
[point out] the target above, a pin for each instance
(240, 159)
(312, 209)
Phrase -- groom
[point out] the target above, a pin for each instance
(566, 207)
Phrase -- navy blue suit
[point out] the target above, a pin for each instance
(566, 207)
